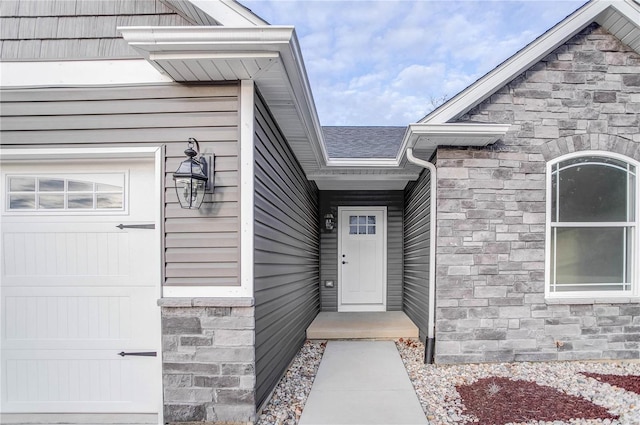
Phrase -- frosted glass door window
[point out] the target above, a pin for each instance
(362, 225)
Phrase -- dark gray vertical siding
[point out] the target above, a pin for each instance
(286, 253)
(416, 251)
(393, 200)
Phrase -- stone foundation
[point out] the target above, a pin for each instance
(208, 360)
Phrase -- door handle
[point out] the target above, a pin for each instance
(142, 353)
(344, 262)
(136, 226)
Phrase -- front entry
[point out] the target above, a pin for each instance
(362, 259)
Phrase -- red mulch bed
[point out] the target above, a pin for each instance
(497, 401)
(629, 382)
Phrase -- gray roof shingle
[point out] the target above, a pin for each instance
(363, 142)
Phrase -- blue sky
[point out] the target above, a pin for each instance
(387, 62)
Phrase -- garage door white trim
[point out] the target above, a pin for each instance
(57, 156)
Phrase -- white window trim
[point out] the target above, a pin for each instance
(587, 296)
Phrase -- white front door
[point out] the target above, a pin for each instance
(80, 277)
(362, 262)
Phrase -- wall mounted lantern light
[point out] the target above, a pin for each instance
(329, 221)
(194, 177)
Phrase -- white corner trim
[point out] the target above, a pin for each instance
(79, 73)
(247, 105)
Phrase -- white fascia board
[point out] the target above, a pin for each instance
(207, 39)
(361, 177)
(469, 134)
(246, 42)
(228, 12)
(79, 73)
(362, 182)
(524, 59)
(302, 92)
(362, 162)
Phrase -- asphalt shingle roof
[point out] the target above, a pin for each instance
(363, 142)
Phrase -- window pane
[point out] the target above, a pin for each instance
(102, 187)
(591, 189)
(593, 255)
(371, 230)
(50, 185)
(109, 200)
(353, 230)
(362, 219)
(632, 195)
(53, 201)
(22, 202)
(362, 230)
(80, 201)
(371, 219)
(77, 186)
(353, 219)
(22, 184)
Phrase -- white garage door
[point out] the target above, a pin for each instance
(80, 280)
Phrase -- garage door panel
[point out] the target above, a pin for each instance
(69, 318)
(67, 253)
(56, 380)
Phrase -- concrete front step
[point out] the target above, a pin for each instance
(362, 325)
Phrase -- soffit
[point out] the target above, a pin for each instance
(625, 29)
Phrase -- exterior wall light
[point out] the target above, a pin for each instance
(329, 221)
(194, 177)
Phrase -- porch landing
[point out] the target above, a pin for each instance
(362, 325)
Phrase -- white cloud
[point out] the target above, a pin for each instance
(381, 62)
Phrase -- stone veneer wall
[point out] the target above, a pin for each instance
(208, 360)
(491, 211)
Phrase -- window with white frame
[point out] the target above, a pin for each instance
(592, 225)
(65, 193)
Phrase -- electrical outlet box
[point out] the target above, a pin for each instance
(328, 283)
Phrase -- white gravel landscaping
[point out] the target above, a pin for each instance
(435, 386)
(290, 395)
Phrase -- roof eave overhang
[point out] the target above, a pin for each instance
(268, 55)
(600, 11)
(428, 137)
(425, 138)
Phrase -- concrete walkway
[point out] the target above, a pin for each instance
(362, 382)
